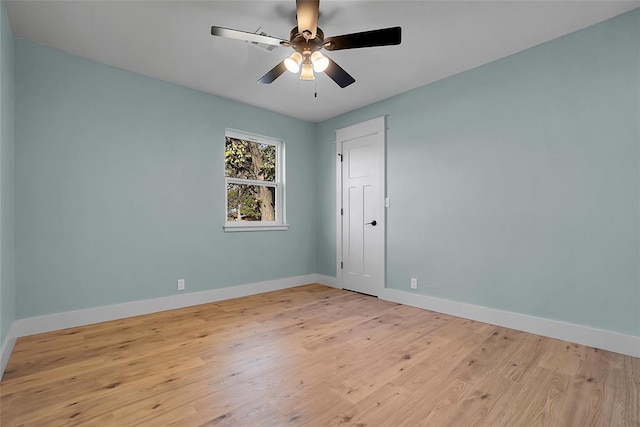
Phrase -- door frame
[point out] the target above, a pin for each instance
(369, 127)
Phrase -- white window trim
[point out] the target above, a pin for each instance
(279, 184)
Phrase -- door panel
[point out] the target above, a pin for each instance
(359, 162)
(354, 239)
(369, 232)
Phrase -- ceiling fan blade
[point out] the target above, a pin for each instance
(338, 75)
(273, 74)
(307, 15)
(246, 36)
(382, 37)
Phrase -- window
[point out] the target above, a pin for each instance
(254, 180)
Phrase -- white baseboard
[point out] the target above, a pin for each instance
(592, 337)
(70, 319)
(7, 348)
(325, 280)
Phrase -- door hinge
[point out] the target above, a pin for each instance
(340, 155)
(341, 265)
(341, 211)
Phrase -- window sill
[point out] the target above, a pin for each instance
(234, 228)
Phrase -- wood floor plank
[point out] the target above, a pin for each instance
(379, 408)
(466, 404)
(308, 356)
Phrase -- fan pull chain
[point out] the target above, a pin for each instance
(315, 88)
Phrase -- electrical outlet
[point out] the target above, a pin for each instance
(414, 283)
(181, 284)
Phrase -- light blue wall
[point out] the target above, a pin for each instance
(516, 185)
(119, 187)
(7, 248)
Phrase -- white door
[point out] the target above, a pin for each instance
(361, 200)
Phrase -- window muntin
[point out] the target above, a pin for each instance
(254, 193)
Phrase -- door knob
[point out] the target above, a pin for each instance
(373, 223)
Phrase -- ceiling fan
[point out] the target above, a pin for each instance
(307, 40)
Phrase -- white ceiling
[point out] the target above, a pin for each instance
(171, 41)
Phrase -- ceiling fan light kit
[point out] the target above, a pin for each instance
(319, 61)
(293, 62)
(307, 72)
(307, 39)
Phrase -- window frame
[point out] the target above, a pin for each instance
(280, 223)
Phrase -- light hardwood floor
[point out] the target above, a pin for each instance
(312, 356)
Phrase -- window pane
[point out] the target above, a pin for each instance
(250, 202)
(249, 160)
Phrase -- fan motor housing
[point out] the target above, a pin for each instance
(306, 47)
